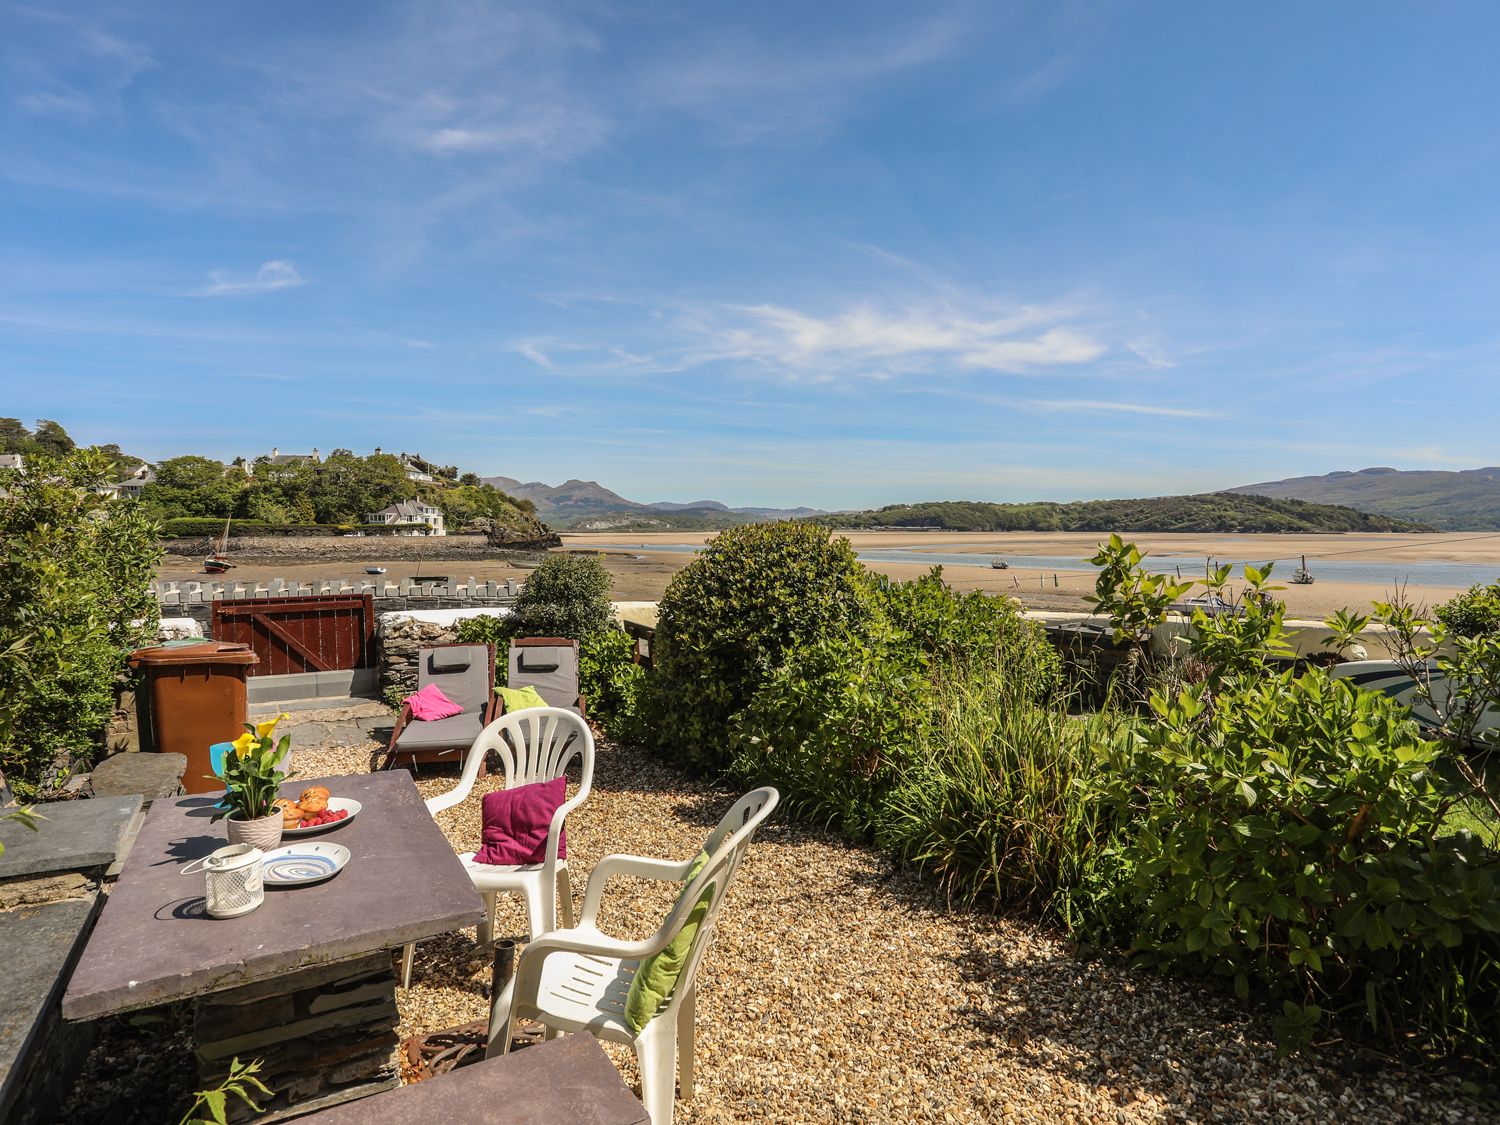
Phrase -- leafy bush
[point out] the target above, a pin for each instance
(1287, 838)
(833, 726)
(730, 616)
(191, 527)
(1473, 613)
(841, 720)
(611, 682)
(75, 569)
(567, 596)
(959, 631)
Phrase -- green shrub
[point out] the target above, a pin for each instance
(958, 631)
(611, 682)
(75, 571)
(836, 725)
(730, 616)
(1473, 613)
(996, 803)
(192, 527)
(567, 596)
(833, 727)
(1287, 838)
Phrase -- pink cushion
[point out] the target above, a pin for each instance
(430, 703)
(515, 823)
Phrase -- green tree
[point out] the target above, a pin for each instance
(15, 437)
(192, 486)
(52, 439)
(75, 573)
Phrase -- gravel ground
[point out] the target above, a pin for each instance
(838, 990)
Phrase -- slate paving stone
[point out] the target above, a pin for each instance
(37, 944)
(150, 775)
(71, 836)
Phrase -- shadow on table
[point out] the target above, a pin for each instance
(192, 909)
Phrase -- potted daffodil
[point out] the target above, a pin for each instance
(252, 778)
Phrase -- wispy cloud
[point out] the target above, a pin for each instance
(277, 274)
(1096, 406)
(73, 67)
(863, 340)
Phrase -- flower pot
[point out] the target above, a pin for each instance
(264, 833)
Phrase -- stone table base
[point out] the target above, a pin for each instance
(324, 1035)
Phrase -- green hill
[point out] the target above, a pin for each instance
(1453, 501)
(1219, 512)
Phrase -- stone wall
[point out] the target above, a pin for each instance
(398, 643)
(427, 549)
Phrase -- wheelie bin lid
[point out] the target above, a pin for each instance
(206, 652)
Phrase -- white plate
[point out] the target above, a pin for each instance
(349, 805)
(295, 865)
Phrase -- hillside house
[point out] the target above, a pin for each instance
(414, 517)
(12, 461)
(133, 485)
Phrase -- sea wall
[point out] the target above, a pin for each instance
(429, 549)
(195, 599)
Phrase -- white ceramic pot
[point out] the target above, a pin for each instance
(264, 833)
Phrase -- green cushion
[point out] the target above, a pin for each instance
(518, 699)
(657, 974)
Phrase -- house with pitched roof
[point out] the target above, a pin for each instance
(413, 517)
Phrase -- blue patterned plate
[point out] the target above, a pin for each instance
(293, 865)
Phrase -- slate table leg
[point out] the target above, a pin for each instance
(324, 1035)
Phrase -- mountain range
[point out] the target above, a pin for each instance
(586, 505)
(1466, 500)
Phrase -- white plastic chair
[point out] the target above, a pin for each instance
(535, 744)
(577, 979)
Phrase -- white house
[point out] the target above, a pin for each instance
(415, 516)
(132, 485)
(12, 461)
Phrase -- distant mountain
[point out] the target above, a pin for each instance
(586, 505)
(1217, 512)
(1468, 500)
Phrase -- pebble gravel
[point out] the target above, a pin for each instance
(839, 989)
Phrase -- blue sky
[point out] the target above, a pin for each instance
(839, 254)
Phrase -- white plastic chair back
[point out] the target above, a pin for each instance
(726, 846)
(535, 744)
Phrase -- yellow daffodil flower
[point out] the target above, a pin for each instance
(265, 729)
(244, 743)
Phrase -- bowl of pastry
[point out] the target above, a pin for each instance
(315, 810)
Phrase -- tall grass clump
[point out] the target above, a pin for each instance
(996, 804)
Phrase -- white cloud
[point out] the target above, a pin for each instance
(864, 340)
(277, 274)
(1097, 406)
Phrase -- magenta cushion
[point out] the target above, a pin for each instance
(430, 703)
(515, 823)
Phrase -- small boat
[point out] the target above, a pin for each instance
(374, 570)
(217, 560)
(1302, 576)
(999, 564)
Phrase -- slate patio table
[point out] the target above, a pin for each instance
(305, 982)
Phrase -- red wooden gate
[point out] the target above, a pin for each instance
(313, 634)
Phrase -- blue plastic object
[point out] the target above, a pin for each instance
(216, 754)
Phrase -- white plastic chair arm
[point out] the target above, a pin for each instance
(442, 801)
(642, 867)
(587, 939)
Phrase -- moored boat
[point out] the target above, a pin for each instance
(1302, 576)
(217, 560)
(999, 564)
